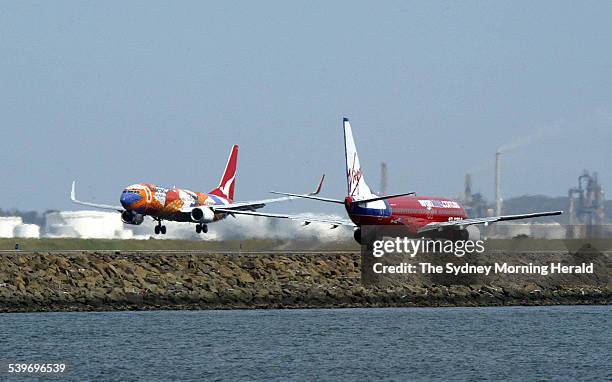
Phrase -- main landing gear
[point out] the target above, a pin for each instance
(159, 228)
(201, 228)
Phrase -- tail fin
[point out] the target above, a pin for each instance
(357, 186)
(225, 188)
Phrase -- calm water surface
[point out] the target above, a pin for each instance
(517, 343)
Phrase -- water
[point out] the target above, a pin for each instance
(514, 343)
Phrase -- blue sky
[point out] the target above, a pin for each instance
(114, 93)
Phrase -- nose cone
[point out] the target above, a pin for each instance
(128, 199)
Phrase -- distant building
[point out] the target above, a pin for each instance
(108, 225)
(29, 231)
(86, 224)
(509, 230)
(8, 224)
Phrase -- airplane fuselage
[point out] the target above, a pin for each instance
(168, 203)
(414, 212)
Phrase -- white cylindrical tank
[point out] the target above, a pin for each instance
(8, 224)
(27, 231)
(84, 224)
(505, 230)
(548, 231)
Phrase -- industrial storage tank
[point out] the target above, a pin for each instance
(27, 231)
(506, 230)
(552, 230)
(8, 224)
(85, 224)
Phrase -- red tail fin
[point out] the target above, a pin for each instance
(225, 188)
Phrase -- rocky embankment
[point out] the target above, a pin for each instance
(121, 281)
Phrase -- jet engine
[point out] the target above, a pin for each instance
(202, 215)
(130, 217)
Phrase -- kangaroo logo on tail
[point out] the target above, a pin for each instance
(228, 180)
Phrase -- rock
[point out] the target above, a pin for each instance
(245, 278)
(140, 272)
(225, 272)
(85, 281)
(248, 265)
(20, 285)
(532, 288)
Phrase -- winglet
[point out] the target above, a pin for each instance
(319, 186)
(103, 206)
(311, 195)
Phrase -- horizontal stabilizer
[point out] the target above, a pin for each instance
(383, 197)
(340, 201)
(309, 196)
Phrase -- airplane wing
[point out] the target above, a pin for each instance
(305, 219)
(102, 206)
(256, 204)
(341, 201)
(460, 224)
(248, 205)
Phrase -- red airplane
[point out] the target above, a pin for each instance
(420, 215)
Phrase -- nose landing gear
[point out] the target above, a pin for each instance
(201, 228)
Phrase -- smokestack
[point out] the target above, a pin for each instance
(383, 178)
(498, 197)
(467, 193)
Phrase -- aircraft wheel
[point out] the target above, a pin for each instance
(198, 228)
(163, 229)
(357, 235)
(157, 230)
(204, 228)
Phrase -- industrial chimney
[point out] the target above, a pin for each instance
(498, 197)
(383, 178)
(467, 193)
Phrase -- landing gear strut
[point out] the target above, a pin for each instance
(159, 228)
(201, 228)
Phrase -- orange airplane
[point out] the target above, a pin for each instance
(177, 204)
